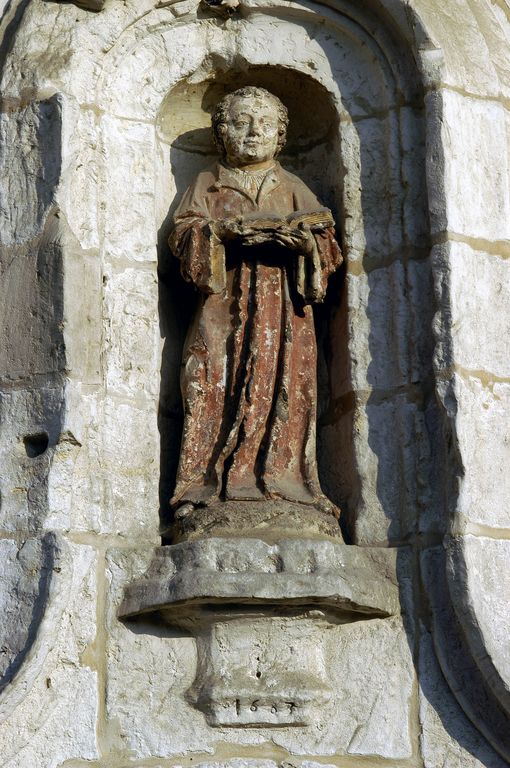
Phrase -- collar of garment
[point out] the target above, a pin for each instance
(231, 177)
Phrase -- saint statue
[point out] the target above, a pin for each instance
(259, 247)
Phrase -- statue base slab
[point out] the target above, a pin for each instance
(268, 519)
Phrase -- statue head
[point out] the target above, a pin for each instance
(249, 126)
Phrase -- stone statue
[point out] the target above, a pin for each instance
(259, 247)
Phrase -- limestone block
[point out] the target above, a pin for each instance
(381, 193)
(78, 196)
(267, 672)
(373, 198)
(237, 762)
(310, 47)
(371, 672)
(105, 477)
(476, 167)
(82, 315)
(447, 737)
(479, 307)
(30, 430)
(26, 573)
(130, 231)
(32, 303)
(43, 726)
(30, 165)
(479, 568)
(384, 308)
(130, 469)
(149, 717)
(467, 665)
(262, 666)
(391, 453)
(75, 483)
(339, 579)
(484, 445)
(475, 72)
(132, 355)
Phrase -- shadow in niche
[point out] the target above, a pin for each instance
(155, 626)
(409, 431)
(311, 142)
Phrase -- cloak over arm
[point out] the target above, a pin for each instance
(314, 270)
(199, 250)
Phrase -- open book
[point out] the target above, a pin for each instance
(249, 224)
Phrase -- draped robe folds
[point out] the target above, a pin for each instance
(248, 378)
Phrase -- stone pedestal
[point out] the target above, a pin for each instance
(258, 613)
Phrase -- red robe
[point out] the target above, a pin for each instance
(249, 378)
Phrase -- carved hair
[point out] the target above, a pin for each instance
(220, 114)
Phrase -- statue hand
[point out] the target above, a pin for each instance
(300, 239)
(228, 229)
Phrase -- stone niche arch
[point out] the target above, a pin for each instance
(354, 104)
(414, 109)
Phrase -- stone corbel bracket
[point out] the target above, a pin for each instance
(258, 612)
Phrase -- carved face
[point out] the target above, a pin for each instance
(250, 135)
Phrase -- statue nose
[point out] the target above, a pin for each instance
(256, 128)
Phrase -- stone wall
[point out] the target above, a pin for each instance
(400, 115)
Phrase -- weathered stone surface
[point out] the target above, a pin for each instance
(129, 215)
(96, 483)
(372, 675)
(485, 486)
(479, 306)
(130, 480)
(160, 666)
(447, 736)
(246, 762)
(42, 726)
(238, 762)
(476, 167)
(475, 73)
(480, 586)
(389, 480)
(81, 189)
(371, 653)
(264, 672)
(31, 428)
(292, 573)
(32, 328)
(385, 307)
(132, 354)
(100, 472)
(25, 589)
(464, 661)
(270, 521)
(30, 167)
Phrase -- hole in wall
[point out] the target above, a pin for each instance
(36, 445)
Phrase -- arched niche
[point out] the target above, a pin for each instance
(357, 139)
